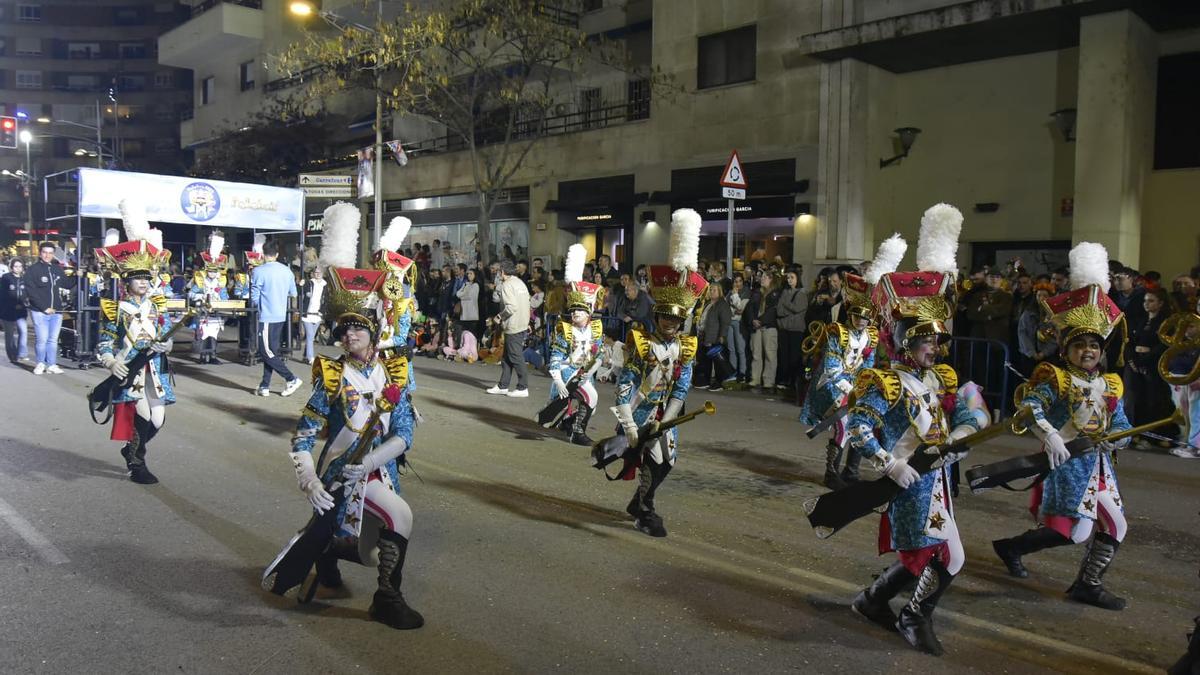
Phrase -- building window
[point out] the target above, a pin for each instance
(726, 58)
(164, 113)
(206, 90)
(29, 12)
(83, 50)
(638, 103)
(29, 79)
(29, 46)
(133, 50)
(164, 80)
(131, 82)
(82, 82)
(128, 16)
(246, 75)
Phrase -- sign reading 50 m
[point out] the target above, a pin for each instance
(200, 202)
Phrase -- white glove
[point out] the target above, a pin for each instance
(162, 347)
(1056, 450)
(844, 386)
(900, 472)
(386, 452)
(306, 479)
(624, 415)
(674, 407)
(560, 388)
(115, 366)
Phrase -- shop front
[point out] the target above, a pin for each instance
(600, 212)
(454, 220)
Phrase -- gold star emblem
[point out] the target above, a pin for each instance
(938, 498)
(1091, 491)
(351, 519)
(1088, 505)
(936, 521)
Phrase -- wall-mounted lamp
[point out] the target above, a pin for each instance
(803, 208)
(646, 217)
(1065, 121)
(907, 136)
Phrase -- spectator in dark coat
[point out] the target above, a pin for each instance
(713, 330)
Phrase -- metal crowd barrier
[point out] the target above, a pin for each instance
(984, 362)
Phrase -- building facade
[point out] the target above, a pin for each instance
(809, 93)
(83, 77)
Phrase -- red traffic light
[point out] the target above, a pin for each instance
(9, 123)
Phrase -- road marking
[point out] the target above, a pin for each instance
(813, 583)
(31, 536)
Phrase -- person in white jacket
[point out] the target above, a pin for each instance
(468, 298)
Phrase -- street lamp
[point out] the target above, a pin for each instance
(306, 8)
(26, 137)
(97, 128)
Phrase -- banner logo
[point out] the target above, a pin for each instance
(200, 202)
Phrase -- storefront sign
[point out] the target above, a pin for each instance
(754, 207)
(191, 201)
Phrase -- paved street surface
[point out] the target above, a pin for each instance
(522, 558)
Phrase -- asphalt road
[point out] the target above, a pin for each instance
(522, 559)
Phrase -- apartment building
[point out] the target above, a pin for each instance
(68, 67)
(811, 94)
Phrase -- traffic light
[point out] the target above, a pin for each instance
(8, 132)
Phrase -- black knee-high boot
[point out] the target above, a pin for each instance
(1088, 587)
(1037, 539)
(135, 452)
(916, 619)
(641, 507)
(872, 602)
(833, 458)
(579, 426)
(388, 606)
(850, 471)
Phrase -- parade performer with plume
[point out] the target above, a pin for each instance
(847, 348)
(361, 410)
(575, 354)
(135, 331)
(208, 285)
(1078, 501)
(915, 402)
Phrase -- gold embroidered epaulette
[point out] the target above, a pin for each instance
(241, 277)
(949, 378)
(688, 344)
(886, 381)
(328, 373)
(1058, 378)
(397, 370)
(160, 302)
(1116, 388)
(109, 308)
(597, 329)
(641, 343)
(872, 337)
(839, 333)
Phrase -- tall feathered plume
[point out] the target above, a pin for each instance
(397, 230)
(155, 237)
(937, 244)
(1089, 265)
(259, 240)
(576, 258)
(112, 236)
(887, 258)
(339, 236)
(133, 214)
(216, 242)
(684, 249)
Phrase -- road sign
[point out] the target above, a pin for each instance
(733, 193)
(325, 180)
(323, 192)
(733, 177)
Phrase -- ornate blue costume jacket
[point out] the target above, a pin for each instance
(128, 327)
(846, 352)
(894, 412)
(337, 412)
(574, 348)
(655, 372)
(1070, 402)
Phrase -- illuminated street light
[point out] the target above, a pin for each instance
(304, 7)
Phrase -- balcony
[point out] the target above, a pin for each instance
(221, 27)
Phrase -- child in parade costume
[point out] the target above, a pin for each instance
(241, 291)
(397, 306)
(347, 392)
(894, 411)
(657, 374)
(207, 285)
(575, 348)
(848, 348)
(1079, 499)
(130, 326)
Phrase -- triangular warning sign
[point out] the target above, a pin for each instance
(732, 176)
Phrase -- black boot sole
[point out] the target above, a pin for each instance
(1014, 566)
(884, 618)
